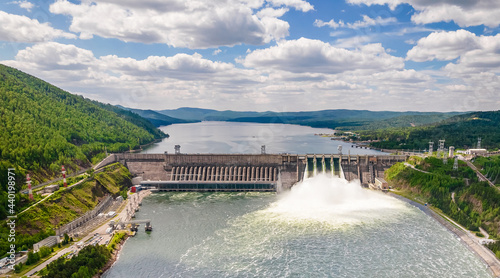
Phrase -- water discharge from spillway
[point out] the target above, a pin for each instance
(317, 214)
(333, 201)
(323, 227)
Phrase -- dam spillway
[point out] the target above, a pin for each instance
(246, 172)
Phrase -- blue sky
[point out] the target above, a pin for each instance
(280, 55)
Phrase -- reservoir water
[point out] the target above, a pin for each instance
(229, 137)
(323, 227)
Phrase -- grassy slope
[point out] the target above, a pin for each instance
(66, 205)
(490, 167)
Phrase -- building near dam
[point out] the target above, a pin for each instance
(247, 172)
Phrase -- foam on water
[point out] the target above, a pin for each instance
(333, 201)
(323, 227)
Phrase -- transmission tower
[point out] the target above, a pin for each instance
(177, 149)
(431, 147)
(263, 149)
(479, 142)
(445, 156)
(441, 148)
(455, 164)
(339, 148)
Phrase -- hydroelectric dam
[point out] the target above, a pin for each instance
(246, 172)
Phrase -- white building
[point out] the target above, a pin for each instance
(476, 151)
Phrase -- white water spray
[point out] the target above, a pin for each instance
(334, 201)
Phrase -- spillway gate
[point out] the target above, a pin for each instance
(246, 172)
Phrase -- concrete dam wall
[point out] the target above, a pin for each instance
(246, 172)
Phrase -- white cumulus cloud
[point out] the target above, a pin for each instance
(191, 24)
(307, 55)
(293, 75)
(24, 5)
(443, 46)
(366, 22)
(18, 28)
(297, 4)
(464, 13)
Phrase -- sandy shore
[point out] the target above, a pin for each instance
(469, 241)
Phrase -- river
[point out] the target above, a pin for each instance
(323, 227)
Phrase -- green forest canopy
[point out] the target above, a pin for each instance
(43, 127)
(461, 131)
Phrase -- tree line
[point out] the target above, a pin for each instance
(475, 204)
(461, 131)
(43, 127)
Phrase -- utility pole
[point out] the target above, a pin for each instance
(30, 192)
(63, 171)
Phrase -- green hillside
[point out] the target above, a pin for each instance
(43, 127)
(460, 131)
(457, 193)
(156, 118)
(64, 206)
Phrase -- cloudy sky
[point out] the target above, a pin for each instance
(280, 55)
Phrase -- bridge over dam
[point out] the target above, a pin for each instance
(246, 172)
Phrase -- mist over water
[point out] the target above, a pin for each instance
(323, 227)
(334, 201)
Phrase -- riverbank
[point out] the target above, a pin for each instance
(133, 202)
(114, 257)
(480, 250)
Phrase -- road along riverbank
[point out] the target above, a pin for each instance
(134, 202)
(469, 241)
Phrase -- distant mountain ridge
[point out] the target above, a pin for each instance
(156, 118)
(335, 118)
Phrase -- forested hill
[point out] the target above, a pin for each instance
(460, 131)
(42, 127)
(156, 118)
(335, 119)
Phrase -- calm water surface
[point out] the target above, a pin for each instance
(228, 137)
